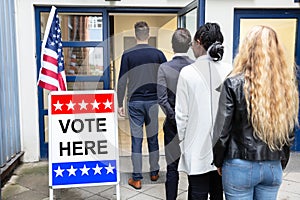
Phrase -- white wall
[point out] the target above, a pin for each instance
(27, 80)
(220, 11)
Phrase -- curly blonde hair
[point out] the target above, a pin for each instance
(270, 87)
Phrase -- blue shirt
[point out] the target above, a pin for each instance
(138, 71)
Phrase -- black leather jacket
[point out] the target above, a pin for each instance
(233, 134)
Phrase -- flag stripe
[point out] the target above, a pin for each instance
(47, 86)
(50, 67)
(50, 80)
(50, 59)
(61, 82)
(50, 73)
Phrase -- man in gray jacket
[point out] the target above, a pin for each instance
(167, 82)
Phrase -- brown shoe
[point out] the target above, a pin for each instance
(135, 184)
(154, 178)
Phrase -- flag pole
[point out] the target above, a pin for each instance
(47, 30)
(46, 34)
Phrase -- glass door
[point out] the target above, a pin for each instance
(187, 18)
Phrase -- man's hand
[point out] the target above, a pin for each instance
(220, 171)
(121, 111)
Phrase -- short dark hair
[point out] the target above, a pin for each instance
(181, 40)
(211, 38)
(141, 30)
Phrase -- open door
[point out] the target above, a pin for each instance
(187, 18)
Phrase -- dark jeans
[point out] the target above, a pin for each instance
(140, 113)
(203, 184)
(172, 151)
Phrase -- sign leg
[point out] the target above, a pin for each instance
(50, 193)
(118, 191)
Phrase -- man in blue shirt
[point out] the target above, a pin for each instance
(138, 72)
(166, 89)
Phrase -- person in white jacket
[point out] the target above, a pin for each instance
(196, 104)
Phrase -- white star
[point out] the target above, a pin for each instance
(95, 104)
(59, 172)
(107, 104)
(97, 169)
(84, 170)
(83, 105)
(109, 169)
(72, 171)
(52, 43)
(71, 105)
(58, 106)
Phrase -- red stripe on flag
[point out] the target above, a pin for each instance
(61, 82)
(47, 86)
(50, 59)
(49, 73)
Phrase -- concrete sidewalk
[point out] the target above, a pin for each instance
(30, 182)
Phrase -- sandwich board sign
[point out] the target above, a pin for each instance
(83, 139)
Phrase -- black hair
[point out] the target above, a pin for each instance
(211, 38)
(181, 40)
(141, 30)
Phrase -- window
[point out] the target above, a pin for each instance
(95, 22)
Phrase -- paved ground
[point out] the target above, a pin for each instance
(30, 182)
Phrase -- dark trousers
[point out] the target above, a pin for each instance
(203, 184)
(172, 151)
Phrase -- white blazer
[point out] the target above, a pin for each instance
(197, 97)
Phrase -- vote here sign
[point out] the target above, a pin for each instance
(83, 139)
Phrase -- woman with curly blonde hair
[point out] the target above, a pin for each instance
(257, 115)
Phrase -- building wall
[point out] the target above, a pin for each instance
(9, 99)
(220, 11)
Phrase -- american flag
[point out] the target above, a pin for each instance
(52, 73)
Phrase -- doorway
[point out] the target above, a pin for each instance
(122, 37)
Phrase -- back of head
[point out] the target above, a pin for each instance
(211, 38)
(270, 86)
(181, 40)
(141, 30)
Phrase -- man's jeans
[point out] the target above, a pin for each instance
(140, 113)
(247, 180)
